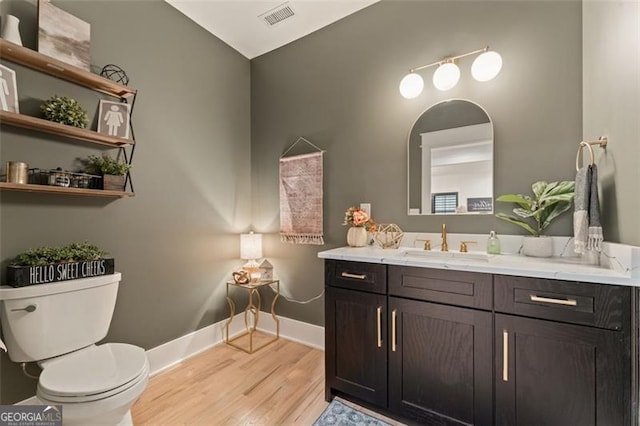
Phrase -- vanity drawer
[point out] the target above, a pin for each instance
(371, 277)
(458, 288)
(598, 305)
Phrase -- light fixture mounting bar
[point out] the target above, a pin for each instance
(449, 59)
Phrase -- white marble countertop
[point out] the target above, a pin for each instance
(618, 263)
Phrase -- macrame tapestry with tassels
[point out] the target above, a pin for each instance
(301, 199)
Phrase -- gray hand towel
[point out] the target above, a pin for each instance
(595, 229)
(581, 207)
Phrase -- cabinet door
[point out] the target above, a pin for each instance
(440, 363)
(356, 345)
(550, 373)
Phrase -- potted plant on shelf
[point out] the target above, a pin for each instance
(536, 213)
(112, 171)
(64, 110)
(360, 223)
(50, 264)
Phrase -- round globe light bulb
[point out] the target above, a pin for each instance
(446, 76)
(411, 85)
(486, 66)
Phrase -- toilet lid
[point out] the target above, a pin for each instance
(95, 370)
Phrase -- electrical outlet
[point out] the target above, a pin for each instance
(366, 207)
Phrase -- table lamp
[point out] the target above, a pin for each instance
(250, 250)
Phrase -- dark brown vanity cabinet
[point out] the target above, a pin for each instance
(445, 347)
(421, 360)
(356, 331)
(571, 364)
(441, 355)
(440, 363)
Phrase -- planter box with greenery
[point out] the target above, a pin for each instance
(113, 172)
(51, 264)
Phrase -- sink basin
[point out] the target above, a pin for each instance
(444, 255)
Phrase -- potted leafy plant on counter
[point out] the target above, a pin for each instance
(113, 172)
(536, 213)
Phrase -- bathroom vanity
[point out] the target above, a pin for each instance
(504, 341)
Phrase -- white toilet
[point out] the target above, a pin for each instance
(57, 325)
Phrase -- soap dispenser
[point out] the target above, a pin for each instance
(493, 243)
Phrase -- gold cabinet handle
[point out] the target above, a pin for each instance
(505, 356)
(393, 331)
(565, 302)
(356, 276)
(379, 325)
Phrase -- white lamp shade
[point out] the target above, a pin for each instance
(250, 246)
(446, 76)
(486, 66)
(411, 85)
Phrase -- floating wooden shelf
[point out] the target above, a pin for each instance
(48, 65)
(5, 186)
(46, 126)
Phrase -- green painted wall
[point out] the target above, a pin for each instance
(176, 241)
(611, 107)
(338, 87)
(211, 127)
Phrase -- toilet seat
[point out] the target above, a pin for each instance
(93, 373)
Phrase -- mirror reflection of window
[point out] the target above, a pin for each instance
(446, 202)
(451, 151)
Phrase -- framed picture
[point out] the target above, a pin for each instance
(484, 204)
(8, 90)
(63, 36)
(114, 119)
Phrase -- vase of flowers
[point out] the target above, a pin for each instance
(360, 223)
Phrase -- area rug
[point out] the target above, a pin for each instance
(339, 414)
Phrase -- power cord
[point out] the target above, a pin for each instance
(301, 302)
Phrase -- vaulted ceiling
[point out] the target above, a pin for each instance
(256, 27)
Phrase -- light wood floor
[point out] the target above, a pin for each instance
(282, 384)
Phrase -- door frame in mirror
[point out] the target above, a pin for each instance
(417, 208)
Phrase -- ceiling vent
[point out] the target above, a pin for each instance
(277, 14)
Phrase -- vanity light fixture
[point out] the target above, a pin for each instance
(484, 68)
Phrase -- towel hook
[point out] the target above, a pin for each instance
(582, 145)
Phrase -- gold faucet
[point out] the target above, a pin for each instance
(463, 246)
(445, 246)
(427, 243)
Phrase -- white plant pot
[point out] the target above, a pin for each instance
(357, 236)
(537, 246)
(10, 30)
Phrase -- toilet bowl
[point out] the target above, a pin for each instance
(58, 325)
(95, 385)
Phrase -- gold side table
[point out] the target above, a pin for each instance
(252, 308)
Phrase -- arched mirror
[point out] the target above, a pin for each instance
(451, 160)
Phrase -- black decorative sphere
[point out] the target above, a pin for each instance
(115, 73)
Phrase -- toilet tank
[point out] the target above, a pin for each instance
(46, 320)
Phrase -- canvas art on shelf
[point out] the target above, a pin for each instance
(8, 90)
(113, 119)
(63, 36)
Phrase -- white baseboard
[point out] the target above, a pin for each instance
(298, 331)
(174, 352)
(171, 353)
(29, 401)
